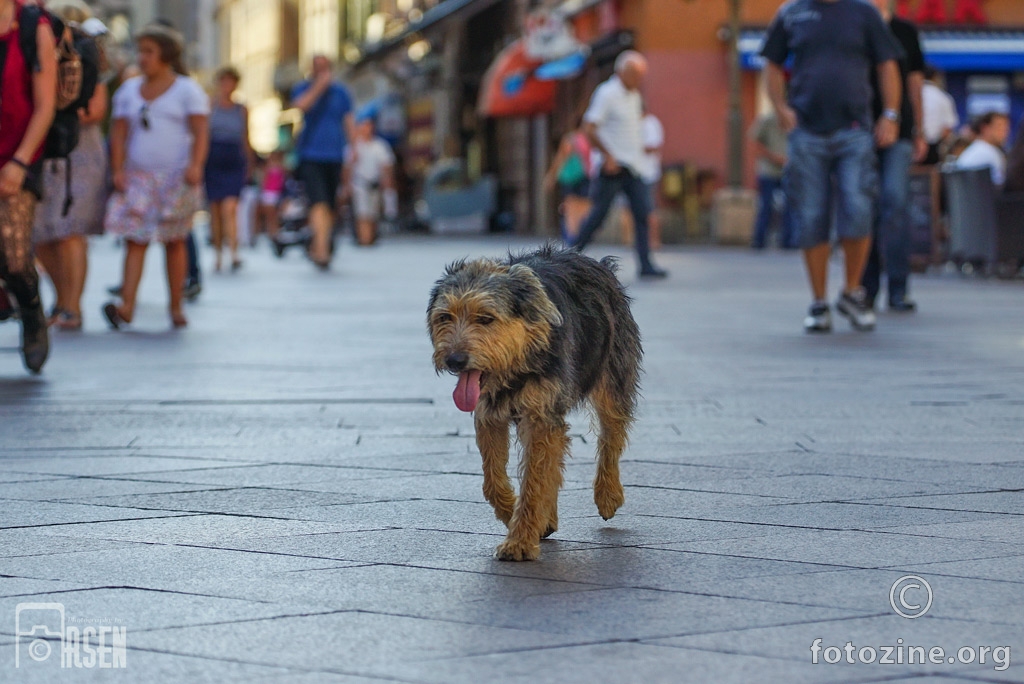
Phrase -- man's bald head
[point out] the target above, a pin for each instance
(630, 67)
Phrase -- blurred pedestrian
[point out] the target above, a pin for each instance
(158, 144)
(613, 123)
(1015, 164)
(939, 116)
(570, 171)
(650, 172)
(227, 164)
(991, 131)
(369, 176)
(834, 45)
(271, 189)
(28, 94)
(327, 127)
(890, 244)
(769, 141)
(61, 240)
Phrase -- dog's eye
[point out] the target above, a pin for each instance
(444, 318)
(484, 319)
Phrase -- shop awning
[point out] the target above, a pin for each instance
(947, 49)
(447, 9)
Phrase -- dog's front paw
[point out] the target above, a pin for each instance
(609, 499)
(514, 550)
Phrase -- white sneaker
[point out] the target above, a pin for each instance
(854, 305)
(819, 319)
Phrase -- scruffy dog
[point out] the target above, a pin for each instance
(530, 338)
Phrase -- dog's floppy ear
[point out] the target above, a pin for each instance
(530, 298)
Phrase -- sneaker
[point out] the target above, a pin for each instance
(652, 271)
(854, 305)
(819, 319)
(902, 304)
(192, 290)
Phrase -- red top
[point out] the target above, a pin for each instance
(16, 104)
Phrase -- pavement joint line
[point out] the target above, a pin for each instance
(178, 514)
(704, 491)
(855, 502)
(135, 588)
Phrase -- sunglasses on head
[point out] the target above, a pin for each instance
(144, 116)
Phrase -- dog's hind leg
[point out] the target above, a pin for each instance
(492, 440)
(614, 416)
(545, 441)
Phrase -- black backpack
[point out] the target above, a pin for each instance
(78, 73)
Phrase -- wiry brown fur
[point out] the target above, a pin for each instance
(548, 330)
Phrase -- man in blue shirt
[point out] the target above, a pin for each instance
(328, 123)
(834, 45)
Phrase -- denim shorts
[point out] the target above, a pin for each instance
(830, 176)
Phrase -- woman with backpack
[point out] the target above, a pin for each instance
(159, 139)
(570, 169)
(60, 236)
(28, 94)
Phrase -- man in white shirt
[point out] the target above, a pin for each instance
(992, 130)
(613, 123)
(939, 116)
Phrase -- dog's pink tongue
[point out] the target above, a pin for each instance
(467, 392)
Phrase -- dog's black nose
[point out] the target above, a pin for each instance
(457, 362)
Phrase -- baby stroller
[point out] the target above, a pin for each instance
(293, 212)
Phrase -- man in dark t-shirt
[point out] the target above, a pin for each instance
(890, 248)
(834, 45)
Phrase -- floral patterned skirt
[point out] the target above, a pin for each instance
(155, 206)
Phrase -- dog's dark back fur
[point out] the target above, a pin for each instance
(598, 333)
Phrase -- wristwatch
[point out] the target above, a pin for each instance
(891, 115)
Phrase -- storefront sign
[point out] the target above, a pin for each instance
(935, 11)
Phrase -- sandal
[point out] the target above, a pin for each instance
(113, 316)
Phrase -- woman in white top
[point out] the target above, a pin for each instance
(159, 139)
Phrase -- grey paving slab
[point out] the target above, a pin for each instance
(152, 665)
(853, 548)
(264, 476)
(138, 610)
(21, 514)
(22, 586)
(627, 662)
(348, 642)
(198, 529)
(793, 642)
(401, 546)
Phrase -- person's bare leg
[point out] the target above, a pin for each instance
(816, 259)
(366, 231)
(229, 222)
(75, 261)
(320, 220)
(856, 254)
(217, 231)
(270, 216)
(134, 260)
(48, 254)
(177, 270)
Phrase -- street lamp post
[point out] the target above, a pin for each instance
(735, 117)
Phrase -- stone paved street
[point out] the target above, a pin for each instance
(285, 491)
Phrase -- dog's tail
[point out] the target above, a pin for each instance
(611, 263)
